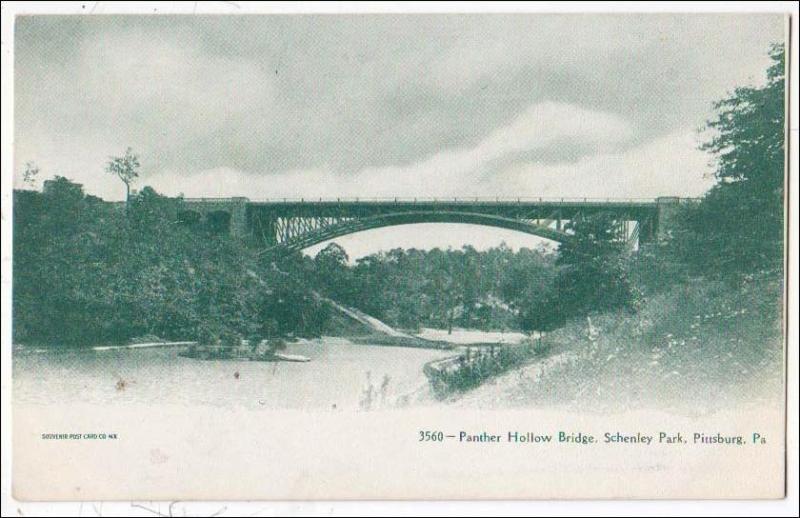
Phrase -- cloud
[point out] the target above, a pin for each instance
(538, 128)
(383, 106)
(159, 91)
(668, 166)
(169, 80)
(342, 94)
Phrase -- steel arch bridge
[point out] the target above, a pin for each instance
(287, 225)
(302, 233)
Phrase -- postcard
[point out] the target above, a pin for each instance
(382, 256)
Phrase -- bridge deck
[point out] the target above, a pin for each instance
(614, 202)
(520, 208)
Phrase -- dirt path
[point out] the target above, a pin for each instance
(361, 317)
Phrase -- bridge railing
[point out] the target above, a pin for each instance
(473, 199)
(214, 200)
(448, 200)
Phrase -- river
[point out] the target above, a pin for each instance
(337, 377)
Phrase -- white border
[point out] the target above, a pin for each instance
(10, 507)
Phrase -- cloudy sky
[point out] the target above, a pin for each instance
(383, 105)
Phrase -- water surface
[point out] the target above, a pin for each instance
(338, 376)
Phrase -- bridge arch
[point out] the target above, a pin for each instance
(323, 233)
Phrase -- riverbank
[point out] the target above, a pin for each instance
(428, 339)
(695, 347)
(400, 341)
(144, 345)
(462, 336)
(39, 349)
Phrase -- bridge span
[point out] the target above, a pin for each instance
(294, 224)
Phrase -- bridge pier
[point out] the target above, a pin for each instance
(667, 209)
(238, 211)
(220, 214)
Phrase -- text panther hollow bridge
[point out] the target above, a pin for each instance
(294, 224)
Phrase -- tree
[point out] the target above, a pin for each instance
(151, 212)
(444, 286)
(30, 174)
(333, 275)
(469, 279)
(593, 275)
(738, 227)
(528, 286)
(126, 168)
(332, 257)
(543, 314)
(750, 132)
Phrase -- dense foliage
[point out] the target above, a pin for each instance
(738, 227)
(436, 288)
(87, 272)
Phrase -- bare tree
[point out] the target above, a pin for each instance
(126, 168)
(30, 174)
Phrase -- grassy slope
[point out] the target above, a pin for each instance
(699, 346)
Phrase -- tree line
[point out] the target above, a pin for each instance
(88, 272)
